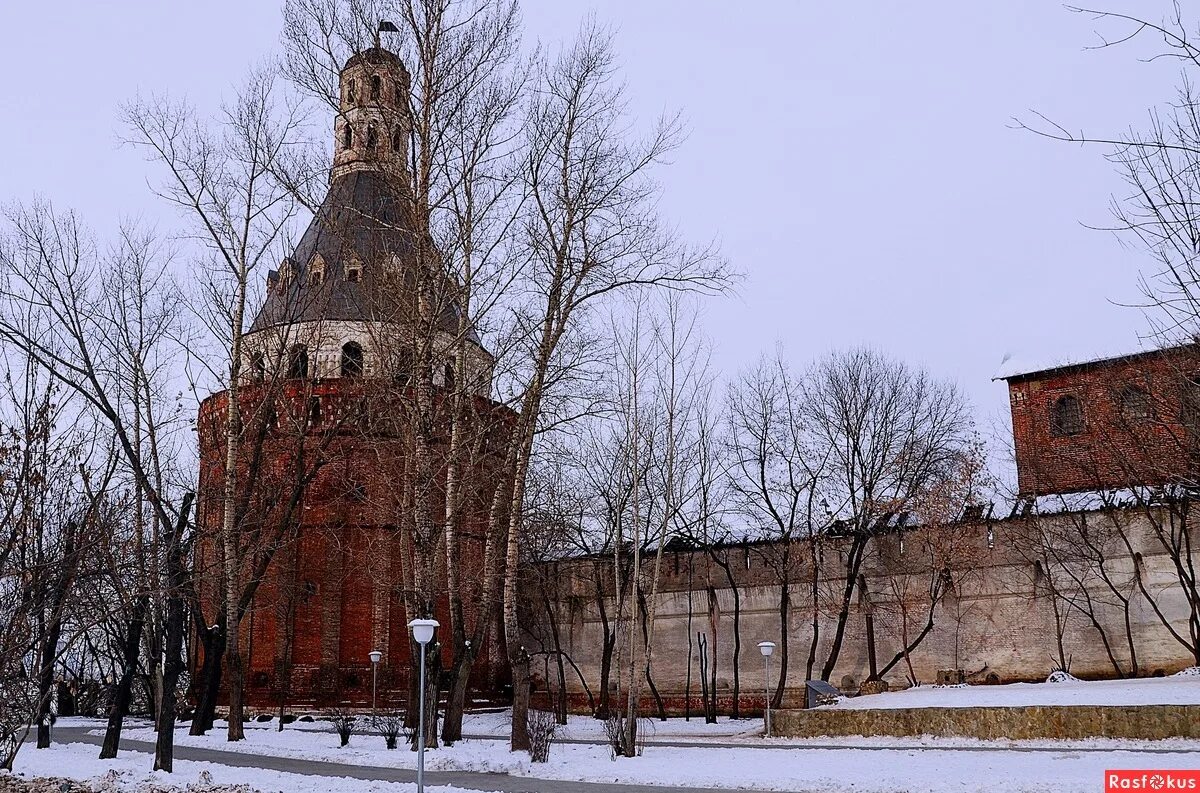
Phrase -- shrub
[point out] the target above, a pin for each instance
(343, 721)
(390, 725)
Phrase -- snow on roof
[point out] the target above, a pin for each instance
(1016, 365)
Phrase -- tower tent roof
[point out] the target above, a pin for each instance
(355, 262)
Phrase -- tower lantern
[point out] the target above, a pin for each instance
(372, 125)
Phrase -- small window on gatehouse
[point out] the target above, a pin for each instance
(1066, 417)
(1135, 404)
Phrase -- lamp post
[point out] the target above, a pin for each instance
(422, 631)
(375, 657)
(766, 648)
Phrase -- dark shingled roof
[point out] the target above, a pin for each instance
(365, 217)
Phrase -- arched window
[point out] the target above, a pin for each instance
(352, 359)
(353, 271)
(1135, 404)
(1066, 417)
(372, 137)
(258, 367)
(352, 90)
(347, 136)
(316, 271)
(298, 361)
(398, 139)
(376, 87)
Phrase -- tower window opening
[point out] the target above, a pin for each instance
(372, 137)
(298, 361)
(352, 359)
(1066, 417)
(347, 136)
(398, 139)
(353, 272)
(376, 87)
(352, 90)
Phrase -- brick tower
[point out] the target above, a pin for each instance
(326, 395)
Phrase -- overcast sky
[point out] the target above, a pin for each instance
(855, 160)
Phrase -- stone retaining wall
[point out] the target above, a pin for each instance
(1036, 721)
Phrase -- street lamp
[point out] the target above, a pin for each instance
(422, 631)
(375, 658)
(766, 648)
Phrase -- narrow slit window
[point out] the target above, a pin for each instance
(347, 136)
(404, 367)
(376, 87)
(258, 367)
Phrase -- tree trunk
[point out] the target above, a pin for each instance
(785, 608)
(456, 703)
(164, 749)
(853, 562)
(237, 682)
(120, 704)
(46, 674)
(213, 640)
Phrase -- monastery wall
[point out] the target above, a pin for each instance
(1005, 597)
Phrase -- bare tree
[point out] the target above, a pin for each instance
(591, 231)
(773, 473)
(220, 176)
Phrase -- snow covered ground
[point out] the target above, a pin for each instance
(131, 772)
(1181, 689)
(927, 764)
(824, 770)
